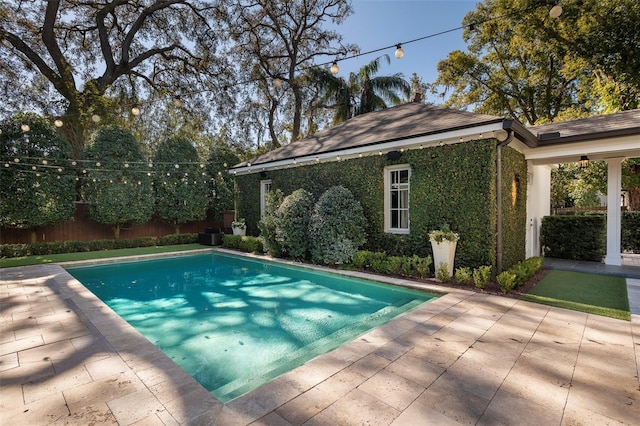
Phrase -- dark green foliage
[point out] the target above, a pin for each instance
(181, 193)
(59, 247)
(292, 223)
(37, 181)
(337, 227)
(117, 190)
(574, 237)
(173, 239)
(221, 183)
(268, 224)
(243, 243)
(452, 183)
(631, 231)
(514, 207)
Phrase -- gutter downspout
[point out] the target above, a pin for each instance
(499, 200)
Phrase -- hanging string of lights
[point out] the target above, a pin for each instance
(399, 53)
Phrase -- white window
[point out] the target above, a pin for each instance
(396, 199)
(265, 188)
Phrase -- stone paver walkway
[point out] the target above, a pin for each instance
(464, 358)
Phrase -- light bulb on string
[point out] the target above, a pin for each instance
(556, 10)
(25, 127)
(96, 118)
(335, 69)
(177, 102)
(135, 110)
(399, 54)
(58, 122)
(277, 82)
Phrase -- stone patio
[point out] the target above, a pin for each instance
(464, 358)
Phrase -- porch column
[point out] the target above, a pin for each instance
(614, 187)
(538, 205)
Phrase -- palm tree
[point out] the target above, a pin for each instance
(362, 92)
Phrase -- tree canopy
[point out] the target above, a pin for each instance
(523, 63)
(69, 54)
(117, 184)
(180, 189)
(363, 92)
(37, 182)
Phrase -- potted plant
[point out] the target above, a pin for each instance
(239, 227)
(443, 245)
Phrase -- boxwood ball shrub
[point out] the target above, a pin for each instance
(292, 223)
(337, 227)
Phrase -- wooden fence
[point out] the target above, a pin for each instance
(83, 228)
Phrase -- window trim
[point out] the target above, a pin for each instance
(263, 194)
(387, 199)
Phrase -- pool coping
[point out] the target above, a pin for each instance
(111, 373)
(155, 372)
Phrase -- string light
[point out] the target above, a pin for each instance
(556, 10)
(95, 118)
(135, 110)
(399, 53)
(25, 127)
(335, 69)
(58, 123)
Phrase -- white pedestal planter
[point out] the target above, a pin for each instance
(444, 251)
(239, 231)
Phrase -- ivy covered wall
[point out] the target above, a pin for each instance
(452, 183)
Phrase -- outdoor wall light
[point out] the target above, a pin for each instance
(583, 162)
(556, 10)
(335, 69)
(399, 52)
(394, 155)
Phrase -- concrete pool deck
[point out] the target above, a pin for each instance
(464, 358)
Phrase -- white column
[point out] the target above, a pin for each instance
(614, 187)
(538, 205)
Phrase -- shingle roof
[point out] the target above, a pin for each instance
(390, 124)
(599, 126)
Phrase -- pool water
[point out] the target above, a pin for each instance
(235, 323)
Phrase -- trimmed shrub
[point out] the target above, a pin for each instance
(630, 224)
(268, 224)
(442, 272)
(463, 275)
(243, 243)
(574, 237)
(421, 265)
(507, 281)
(336, 227)
(173, 239)
(292, 223)
(481, 276)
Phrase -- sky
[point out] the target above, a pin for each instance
(380, 23)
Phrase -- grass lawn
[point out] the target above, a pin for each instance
(595, 294)
(69, 257)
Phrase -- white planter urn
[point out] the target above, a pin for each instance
(239, 231)
(444, 252)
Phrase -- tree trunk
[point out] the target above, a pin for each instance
(634, 199)
(116, 232)
(34, 236)
(176, 228)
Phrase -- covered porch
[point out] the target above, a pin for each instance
(611, 138)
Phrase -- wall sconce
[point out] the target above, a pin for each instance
(394, 155)
(583, 162)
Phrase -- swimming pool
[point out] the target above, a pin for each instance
(235, 323)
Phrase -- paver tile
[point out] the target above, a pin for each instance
(305, 406)
(416, 369)
(509, 409)
(103, 390)
(449, 397)
(133, 407)
(357, 408)
(393, 389)
(419, 414)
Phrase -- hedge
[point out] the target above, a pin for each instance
(574, 237)
(583, 236)
(59, 247)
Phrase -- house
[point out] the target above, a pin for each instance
(415, 166)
